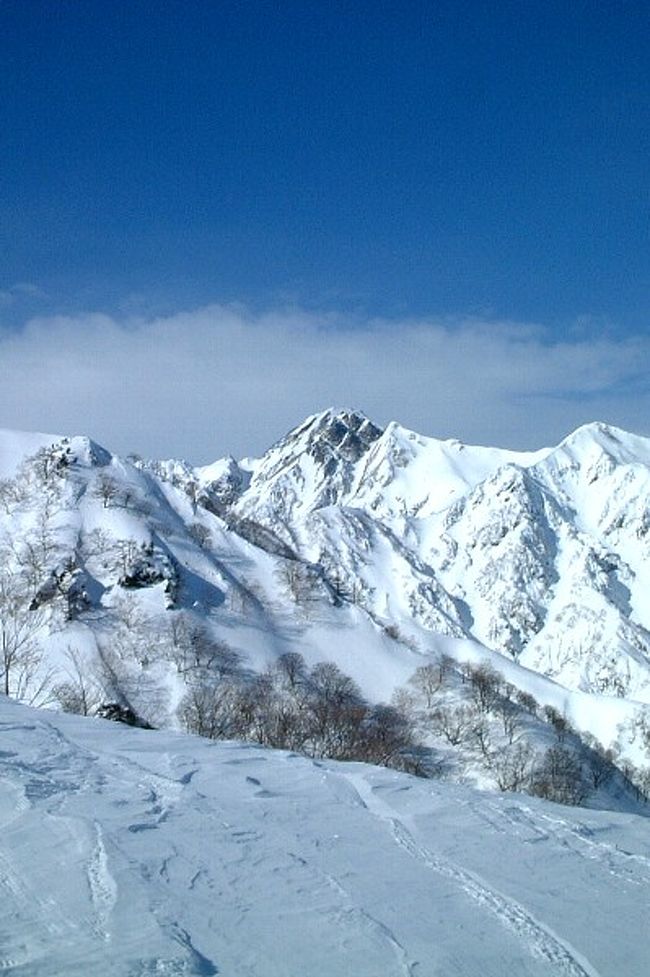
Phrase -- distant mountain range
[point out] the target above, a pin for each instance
(377, 549)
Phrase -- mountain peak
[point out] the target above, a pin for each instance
(597, 436)
(345, 434)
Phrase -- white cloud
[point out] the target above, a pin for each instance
(221, 379)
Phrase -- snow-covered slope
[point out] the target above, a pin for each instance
(541, 556)
(379, 550)
(129, 853)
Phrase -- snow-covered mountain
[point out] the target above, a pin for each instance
(378, 550)
(133, 853)
(540, 556)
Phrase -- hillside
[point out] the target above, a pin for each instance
(140, 853)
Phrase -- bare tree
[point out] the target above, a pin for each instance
(386, 734)
(96, 544)
(126, 677)
(466, 671)
(486, 684)
(211, 710)
(510, 716)
(642, 783)
(319, 712)
(205, 657)
(446, 666)
(406, 702)
(12, 493)
(106, 489)
(480, 732)
(602, 765)
(132, 635)
(291, 669)
(512, 766)
(454, 724)
(336, 711)
(427, 679)
(35, 552)
(302, 581)
(42, 466)
(200, 534)
(80, 692)
(527, 702)
(128, 551)
(20, 651)
(559, 722)
(558, 777)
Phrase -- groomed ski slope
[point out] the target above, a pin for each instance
(129, 853)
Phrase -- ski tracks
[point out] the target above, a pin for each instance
(102, 885)
(577, 837)
(539, 938)
(356, 915)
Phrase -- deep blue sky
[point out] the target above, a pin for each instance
(397, 158)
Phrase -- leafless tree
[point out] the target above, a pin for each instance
(602, 762)
(510, 716)
(480, 733)
(200, 534)
(96, 544)
(486, 684)
(558, 777)
(80, 692)
(386, 733)
(20, 652)
(336, 710)
(406, 702)
(291, 669)
(193, 490)
(527, 702)
(211, 710)
(455, 724)
(512, 766)
(106, 489)
(302, 582)
(12, 493)
(128, 551)
(427, 679)
(560, 723)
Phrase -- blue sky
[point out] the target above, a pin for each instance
(437, 161)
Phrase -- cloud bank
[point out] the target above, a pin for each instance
(222, 379)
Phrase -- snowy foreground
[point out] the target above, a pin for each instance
(130, 853)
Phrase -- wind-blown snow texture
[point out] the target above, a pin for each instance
(377, 549)
(130, 853)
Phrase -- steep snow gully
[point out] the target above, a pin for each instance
(137, 853)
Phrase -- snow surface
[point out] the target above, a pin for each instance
(15, 446)
(129, 853)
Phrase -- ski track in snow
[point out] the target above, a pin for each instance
(537, 936)
(102, 885)
(356, 915)
(579, 838)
